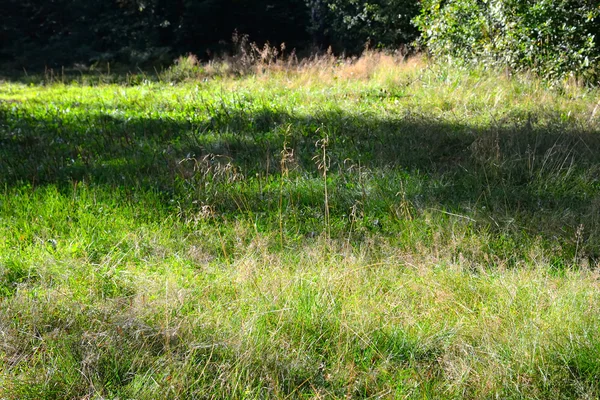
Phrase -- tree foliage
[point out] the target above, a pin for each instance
(550, 37)
(63, 32)
(350, 24)
(554, 38)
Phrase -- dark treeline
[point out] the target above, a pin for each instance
(40, 33)
(555, 38)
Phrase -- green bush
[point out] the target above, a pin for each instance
(553, 38)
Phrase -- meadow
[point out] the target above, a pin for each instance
(370, 228)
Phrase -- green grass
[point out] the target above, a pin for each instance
(373, 230)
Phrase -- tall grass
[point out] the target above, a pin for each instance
(376, 227)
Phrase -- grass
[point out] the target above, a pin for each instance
(365, 229)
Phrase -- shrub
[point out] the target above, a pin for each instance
(185, 67)
(553, 38)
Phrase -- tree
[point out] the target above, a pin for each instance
(382, 23)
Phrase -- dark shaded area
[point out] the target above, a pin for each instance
(528, 179)
(67, 145)
(36, 35)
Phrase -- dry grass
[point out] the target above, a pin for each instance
(273, 62)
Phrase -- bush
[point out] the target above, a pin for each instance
(185, 67)
(553, 38)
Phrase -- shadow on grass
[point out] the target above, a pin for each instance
(549, 173)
